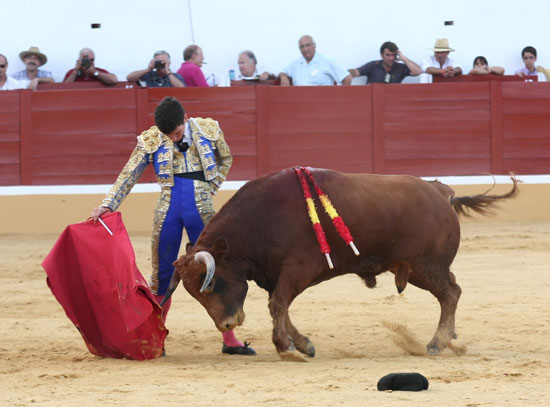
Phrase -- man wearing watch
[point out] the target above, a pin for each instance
(86, 71)
(158, 73)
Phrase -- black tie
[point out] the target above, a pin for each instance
(182, 146)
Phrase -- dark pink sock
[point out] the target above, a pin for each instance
(230, 340)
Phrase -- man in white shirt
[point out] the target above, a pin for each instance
(313, 69)
(440, 64)
(7, 82)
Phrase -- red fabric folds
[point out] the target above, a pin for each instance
(94, 277)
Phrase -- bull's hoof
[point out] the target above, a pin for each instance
(306, 347)
(291, 356)
(433, 350)
(434, 347)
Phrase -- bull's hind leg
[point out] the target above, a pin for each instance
(448, 296)
(302, 343)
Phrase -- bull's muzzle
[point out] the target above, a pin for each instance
(232, 321)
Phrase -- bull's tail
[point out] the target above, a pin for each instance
(481, 203)
(174, 281)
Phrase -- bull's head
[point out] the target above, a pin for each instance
(210, 278)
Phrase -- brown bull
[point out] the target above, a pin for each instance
(263, 233)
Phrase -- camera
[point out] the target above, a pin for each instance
(159, 65)
(85, 63)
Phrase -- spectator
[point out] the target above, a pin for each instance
(86, 71)
(481, 67)
(313, 69)
(191, 159)
(249, 69)
(9, 83)
(33, 59)
(440, 63)
(529, 56)
(190, 70)
(157, 73)
(387, 70)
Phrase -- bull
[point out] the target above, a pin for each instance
(399, 223)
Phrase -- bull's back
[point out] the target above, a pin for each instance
(389, 217)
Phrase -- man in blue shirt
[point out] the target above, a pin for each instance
(313, 69)
(158, 74)
(387, 70)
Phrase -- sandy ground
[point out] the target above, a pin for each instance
(502, 323)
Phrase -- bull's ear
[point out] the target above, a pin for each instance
(188, 247)
(220, 248)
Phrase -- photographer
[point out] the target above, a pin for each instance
(85, 70)
(157, 74)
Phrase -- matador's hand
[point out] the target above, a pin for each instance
(99, 212)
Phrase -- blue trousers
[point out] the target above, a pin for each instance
(183, 213)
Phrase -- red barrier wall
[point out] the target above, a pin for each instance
(85, 136)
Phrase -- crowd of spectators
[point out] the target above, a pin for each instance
(310, 69)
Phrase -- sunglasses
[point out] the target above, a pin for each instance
(3, 66)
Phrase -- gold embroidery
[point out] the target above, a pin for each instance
(208, 128)
(164, 156)
(203, 200)
(127, 178)
(151, 139)
(160, 215)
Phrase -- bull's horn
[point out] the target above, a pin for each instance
(208, 260)
(174, 281)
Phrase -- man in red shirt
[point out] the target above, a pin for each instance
(85, 70)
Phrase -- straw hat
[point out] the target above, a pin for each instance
(442, 45)
(34, 50)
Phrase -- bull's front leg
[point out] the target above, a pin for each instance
(302, 343)
(278, 309)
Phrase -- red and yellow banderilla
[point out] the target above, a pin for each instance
(330, 210)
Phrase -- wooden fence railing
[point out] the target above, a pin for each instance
(84, 136)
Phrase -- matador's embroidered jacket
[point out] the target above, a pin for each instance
(209, 153)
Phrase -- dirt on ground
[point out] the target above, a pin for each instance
(501, 356)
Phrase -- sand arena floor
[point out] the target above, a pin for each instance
(502, 325)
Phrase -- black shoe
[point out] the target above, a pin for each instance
(238, 350)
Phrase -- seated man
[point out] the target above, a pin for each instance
(248, 68)
(86, 71)
(440, 63)
(157, 73)
(190, 70)
(387, 70)
(33, 59)
(313, 69)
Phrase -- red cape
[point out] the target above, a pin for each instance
(94, 277)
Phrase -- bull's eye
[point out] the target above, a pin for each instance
(210, 286)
